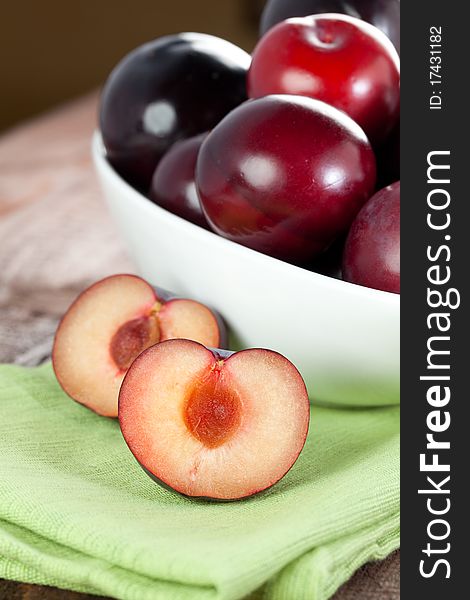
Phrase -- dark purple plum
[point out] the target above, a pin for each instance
(167, 90)
(285, 175)
(384, 14)
(173, 186)
(372, 251)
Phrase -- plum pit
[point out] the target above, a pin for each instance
(132, 338)
(213, 411)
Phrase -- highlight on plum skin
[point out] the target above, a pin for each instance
(285, 175)
(213, 424)
(173, 184)
(338, 59)
(110, 324)
(372, 251)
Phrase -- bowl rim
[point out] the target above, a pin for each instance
(359, 291)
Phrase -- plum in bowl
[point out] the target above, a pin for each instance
(343, 338)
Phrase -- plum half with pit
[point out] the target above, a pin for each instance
(341, 60)
(214, 424)
(285, 175)
(173, 186)
(384, 14)
(110, 324)
(372, 251)
(169, 89)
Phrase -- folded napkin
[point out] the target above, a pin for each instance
(77, 512)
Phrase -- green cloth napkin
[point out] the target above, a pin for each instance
(77, 512)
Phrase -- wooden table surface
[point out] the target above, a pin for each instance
(55, 238)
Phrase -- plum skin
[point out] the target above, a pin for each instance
(372, 251)
(285, 175)
(173, 186)
(169, 89)
(335, 58)
(384, 14)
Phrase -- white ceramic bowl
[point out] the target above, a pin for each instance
(343, 338)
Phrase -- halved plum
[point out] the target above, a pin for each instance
(214, 424)
(110, 324)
